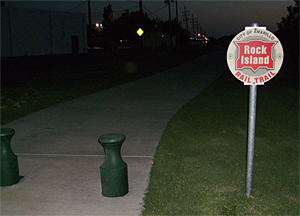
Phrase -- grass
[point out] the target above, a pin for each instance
(29, 84)
(200, 164)
(199, 167)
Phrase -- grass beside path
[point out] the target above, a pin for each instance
(29, 84)
(200, 164)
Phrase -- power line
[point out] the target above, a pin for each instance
(124, 10)
(152, 13)
(186, 17)
(82, 3)
(120, 11)
(117, 12)
(133, 1)
(82, 6)
(158, 9)
(96, 15)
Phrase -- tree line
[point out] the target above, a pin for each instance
(124, 28)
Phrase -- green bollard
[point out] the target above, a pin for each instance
(113, 171)
(9, 161)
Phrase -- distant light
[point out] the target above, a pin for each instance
(97, 25)
(140, 32)
(199, 34)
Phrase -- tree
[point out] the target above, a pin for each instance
(107, 16)
(125, 27)
(288, 32)
(291, 21)
(107, 20)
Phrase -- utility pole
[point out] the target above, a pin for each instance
(193, 21)
(201, 29)
(90, 25)
(141, 20)
(177, 12)
(186, 18)
(141, 13)
(170, 19)
(141, 7)
(177, 27)
(197, 25)
(169, 5)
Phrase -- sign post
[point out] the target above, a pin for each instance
(254, 56)
(251, 138)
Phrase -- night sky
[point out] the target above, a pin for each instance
(217, 18)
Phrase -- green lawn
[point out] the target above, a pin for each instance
(46, 81)
(200, 164)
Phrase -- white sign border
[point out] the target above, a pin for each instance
(232, 55)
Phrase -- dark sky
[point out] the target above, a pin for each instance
(217, 18)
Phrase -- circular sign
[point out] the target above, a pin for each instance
(254, 56)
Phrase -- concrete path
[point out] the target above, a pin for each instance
(59, 154)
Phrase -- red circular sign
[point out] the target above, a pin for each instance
(254, 56)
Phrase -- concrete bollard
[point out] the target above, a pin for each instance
(113, 171)
(9, 161)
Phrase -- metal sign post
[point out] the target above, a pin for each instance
(254, 56)
(251, 135)
(251, 138)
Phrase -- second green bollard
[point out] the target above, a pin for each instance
(9, 161)
(113, 171)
